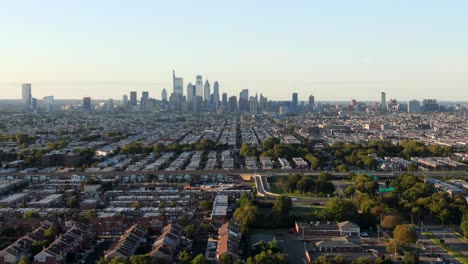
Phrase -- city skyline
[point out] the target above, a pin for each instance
(335, 51)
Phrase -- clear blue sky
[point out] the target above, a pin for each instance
(336, 50)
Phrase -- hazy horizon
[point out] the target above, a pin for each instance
(336, 51)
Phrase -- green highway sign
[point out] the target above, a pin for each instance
(389, 189)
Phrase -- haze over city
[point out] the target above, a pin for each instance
(334, 50)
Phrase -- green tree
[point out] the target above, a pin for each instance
(118, 260)
(305, 184)
(73, 202)
(206, 205)
(31, 214)
(246, 215)
(185, 257)
(338, 209)
(405, 234)
(342, 168)
(190, 230)
(267, 257)
(363, 260)
(321, 260)
(143, 259)
(90, 214)
(227, 259)
(313, 160)
(136, 204)
(50, 233)
(339, 259)
(244, 200)
(464, 225)
(200, 259)
(23, 260)
(410, 258)
(348, 191)
(282, 205)
(270, 143)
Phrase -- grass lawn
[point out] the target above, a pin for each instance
(300, 210)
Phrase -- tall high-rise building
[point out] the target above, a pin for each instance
(144, 99)
(311, 100)
(49, 102)
(133, 99)
(87, 103)
(383, 101)
(191, 92)
(125, 102)
(414, 106)
(110, 105)
(178, 84)
(225, 101)
(207, 92)
(34, 104)
(294, 102)
(216, 94)
(26, 97)
(164, 95)
(244, 100)
(233, 104)
(199, 86)
(253, 105)
(430, 105)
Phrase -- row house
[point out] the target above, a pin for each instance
(70, 242)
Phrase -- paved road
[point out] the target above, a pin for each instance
(112, 174)
(453, 241)
(432, 250)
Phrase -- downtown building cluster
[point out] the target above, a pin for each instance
(204, 97)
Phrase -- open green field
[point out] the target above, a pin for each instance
(303, 210)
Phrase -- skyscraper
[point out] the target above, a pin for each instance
(430, 105)
(216, 94)
(26, 97)
(49, 102)
(311, 102)
(34, 104)
(87, 103)
(207, 92)
(144, 99)
(164, 95)
(199, 86)
(125, 102)
(383, 102)
(244, 100)
(191, 92)
(110, 105)
(225, 101)
(253, 105)
(294, 102)
(233, 104)
(178, 84)
(414, 106)
(133, 99)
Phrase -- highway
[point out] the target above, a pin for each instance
(270, 172)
